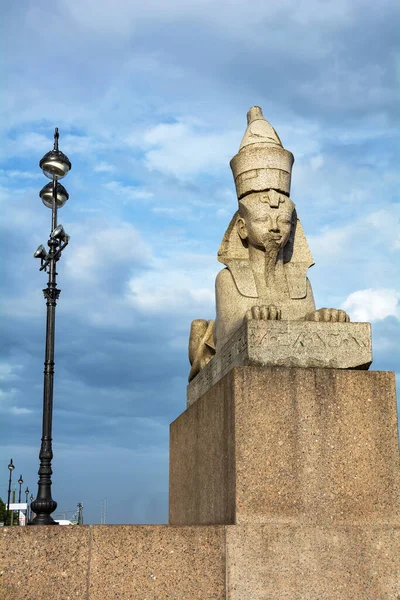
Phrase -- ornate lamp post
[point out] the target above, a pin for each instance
(55, 165)
(11, 469)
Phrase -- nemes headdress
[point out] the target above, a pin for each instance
(262, 164)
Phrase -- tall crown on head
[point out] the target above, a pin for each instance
(262, 162)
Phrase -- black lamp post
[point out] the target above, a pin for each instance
(26, 500)
(55, 165)
(20, 481)
(80, 513)
(11, 469)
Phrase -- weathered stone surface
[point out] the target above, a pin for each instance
(238, 562)
(43, 563)
(278, 562)
(287, 344)
(287, 445)
(112, 562)
(157, 562)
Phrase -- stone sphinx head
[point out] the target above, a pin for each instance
(267, 217)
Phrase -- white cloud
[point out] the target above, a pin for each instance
(127, 192)
(316, 162)
(15, 174)
(19, 410)
(380, 228)
(181, 288)
(104, 167)
(372, 304)
(7, 371)
(105, 248)
(177, 212)
(186, 148)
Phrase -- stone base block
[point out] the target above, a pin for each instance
(312, 563)
(287, 344)
(234, 562)
(112, 562)
(289, 446)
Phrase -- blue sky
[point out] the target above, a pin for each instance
(151, 100)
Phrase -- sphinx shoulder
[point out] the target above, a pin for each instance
(224, 282)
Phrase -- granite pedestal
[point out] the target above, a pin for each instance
(303, 463)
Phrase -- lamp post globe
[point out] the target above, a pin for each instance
(55, 165)
(47, 195)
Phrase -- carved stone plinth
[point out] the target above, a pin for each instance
(287, 344)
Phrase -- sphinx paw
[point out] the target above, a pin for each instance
(328, 315)
(263, 313)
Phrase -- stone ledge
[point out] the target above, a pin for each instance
(287, 344)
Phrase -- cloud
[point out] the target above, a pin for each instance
(372, 304)
(7, 371)
(186, 148)
(104, 167)
(104, 251)
(17, 410)
(127, 192)
(15, 174)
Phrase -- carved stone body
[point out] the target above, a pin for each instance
(264, 249)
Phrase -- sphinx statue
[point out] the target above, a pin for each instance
(264, 249)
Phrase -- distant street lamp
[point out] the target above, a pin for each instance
(80, 513)
(26, 500)
(11, 469)
(30, 510)
(55, 165)
(20, 481)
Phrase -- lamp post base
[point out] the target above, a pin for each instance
(43, 509)
(43, 520)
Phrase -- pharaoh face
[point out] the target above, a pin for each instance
(262, 225)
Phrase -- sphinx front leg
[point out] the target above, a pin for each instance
(263, 313)
(328, 315)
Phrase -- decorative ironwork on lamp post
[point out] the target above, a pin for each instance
(55, 165)
(11, 468)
